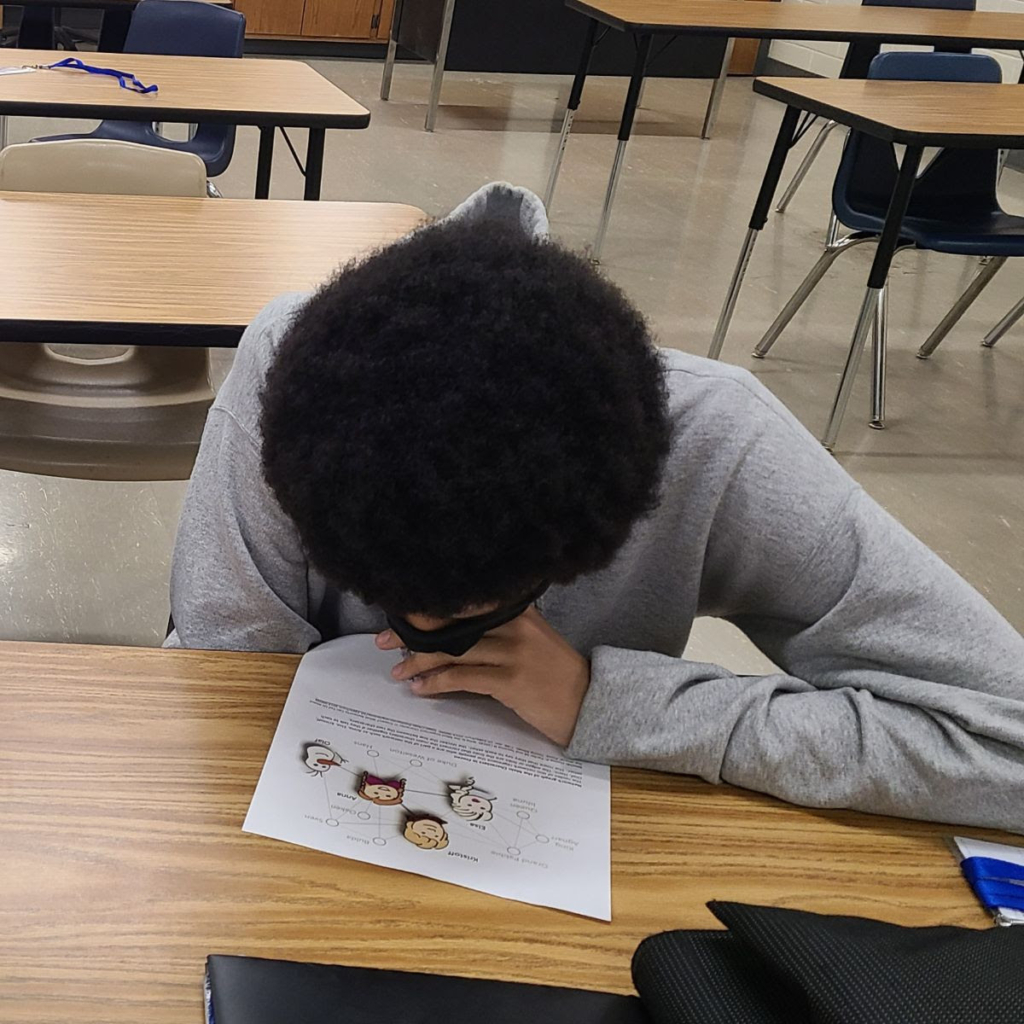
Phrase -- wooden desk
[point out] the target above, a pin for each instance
(168, 270)
(265, 93)
(919, 114)
(965, 115)
(127, 773)
(646, 19)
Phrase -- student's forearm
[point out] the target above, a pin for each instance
(903, 747)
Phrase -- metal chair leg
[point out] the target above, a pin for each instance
(805, 165)
(957, 310)
(389, 60)
(3, 130)
(878, 361)
(809, 283)
(832, 231)
(442, 56)
(717, 90)
(1004, 325)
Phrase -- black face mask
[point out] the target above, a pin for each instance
(459, 636)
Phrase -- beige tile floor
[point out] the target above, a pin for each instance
(89, 561)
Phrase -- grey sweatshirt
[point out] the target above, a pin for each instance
(900, 690)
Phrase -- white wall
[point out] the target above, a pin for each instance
(827, 58)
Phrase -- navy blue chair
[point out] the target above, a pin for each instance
(855, 65)
(183, 28)
(953, 208)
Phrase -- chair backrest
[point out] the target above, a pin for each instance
(956, 181)
(185, 28)
(101, 166)
(860, 55)
(190, 28)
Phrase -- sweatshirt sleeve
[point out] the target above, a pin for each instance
(900, 690)
(239, 575)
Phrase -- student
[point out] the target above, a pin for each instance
(473, 414)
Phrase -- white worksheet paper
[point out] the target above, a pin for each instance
(455, 788)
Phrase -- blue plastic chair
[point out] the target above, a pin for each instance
(953, 207)
(183, 28)
(855, 65)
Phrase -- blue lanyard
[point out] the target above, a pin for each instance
(997, 883)
(126, 79)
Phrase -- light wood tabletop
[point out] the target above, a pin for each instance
(126, 775)
(286, 93)
(79, 265)
(965, 114)
(841, 22)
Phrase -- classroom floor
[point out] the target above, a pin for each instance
(89, 561)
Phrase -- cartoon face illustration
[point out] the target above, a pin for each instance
(383, 792)
(468, 804)
(320, 759)
(426, 832)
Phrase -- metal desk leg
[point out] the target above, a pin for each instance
(887, 244)
(389, 60)
(36, 32)
(442, 56)
(114, 30)
(636, 81)
(3, 130)
(314, 163)
(589, 42)
(758, 219)
(715, 99)
(879, 343)
(264, 162)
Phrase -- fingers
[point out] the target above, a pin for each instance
(460, 678)
(388, 640)
(415, 664)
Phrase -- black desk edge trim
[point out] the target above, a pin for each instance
(184, 115)
(86, 332)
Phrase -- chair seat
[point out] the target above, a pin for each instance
(135, 415)
(214, 152)
(984, 233)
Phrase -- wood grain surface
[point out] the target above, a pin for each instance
(842, 22)
(145, 259)
(941, 113)
(250, 91)
(125, 775)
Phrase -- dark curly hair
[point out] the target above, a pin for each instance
(462, 415)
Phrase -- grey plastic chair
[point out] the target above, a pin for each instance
(94, 411)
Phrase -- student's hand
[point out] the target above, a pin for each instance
(525, 664)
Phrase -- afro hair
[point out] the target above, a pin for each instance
(462, 416)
